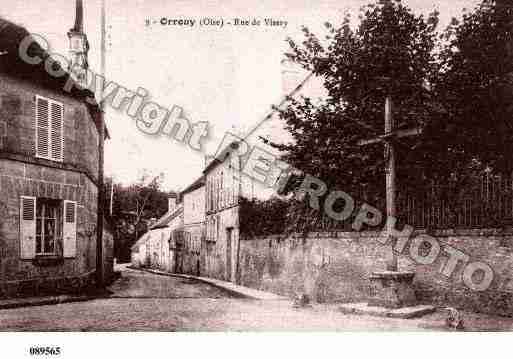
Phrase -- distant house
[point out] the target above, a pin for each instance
(48, 176)
(174, 242)
(157, 248)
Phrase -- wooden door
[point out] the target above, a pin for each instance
(229, 232)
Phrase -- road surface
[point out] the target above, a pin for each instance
(148, 302)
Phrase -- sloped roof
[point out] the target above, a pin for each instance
(200, 182)
(141, 240)
(11, 36)
(224, 154)
(166, 219)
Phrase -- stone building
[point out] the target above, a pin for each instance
(223, 187)
(174, 242)
(161, 246)
(48, 176)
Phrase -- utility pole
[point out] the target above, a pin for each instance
(111, 195)
(101, 192)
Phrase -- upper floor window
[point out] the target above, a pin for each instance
(49, 129)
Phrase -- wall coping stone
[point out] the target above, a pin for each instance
(464, 232)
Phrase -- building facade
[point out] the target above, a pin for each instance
(223, 187)
(48, 177)
(194, 227)
(174, 243)
(162, 250)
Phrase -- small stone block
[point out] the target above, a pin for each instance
(392, 289)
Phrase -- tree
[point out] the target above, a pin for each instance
(475, 89)
(389, 53)
(133, 208)
(458, 86)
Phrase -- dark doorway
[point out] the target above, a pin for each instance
(229, 254)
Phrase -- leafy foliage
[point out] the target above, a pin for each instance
(457, 86)
(260, 218)
(133, 208)
(390, 53)
(475, 90)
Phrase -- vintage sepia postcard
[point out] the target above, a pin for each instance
(254, 166)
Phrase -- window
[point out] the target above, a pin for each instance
(217, 227)
(49, 129)
(208, 195)
(211, 229)
(47, 227)
(221, 191)
(211, 194)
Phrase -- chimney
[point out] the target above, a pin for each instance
(171, 204)
(78, 47)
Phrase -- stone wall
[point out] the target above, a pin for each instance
(17, 127)
(334, 267)
(22, 174)
(19, 179)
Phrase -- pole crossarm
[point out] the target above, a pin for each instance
(389, 137)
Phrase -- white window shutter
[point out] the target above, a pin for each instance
(27, 227)
(42, 128)
(69, 229)
(56, 133)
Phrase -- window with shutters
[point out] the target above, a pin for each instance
(49, 129)
(47, 228)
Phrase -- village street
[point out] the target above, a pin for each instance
(141, 301)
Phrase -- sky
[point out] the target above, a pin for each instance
(226, 76)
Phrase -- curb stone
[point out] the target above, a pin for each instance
(234, 289)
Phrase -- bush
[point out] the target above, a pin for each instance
(262, 218)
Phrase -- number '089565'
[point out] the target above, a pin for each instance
(52, 350)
